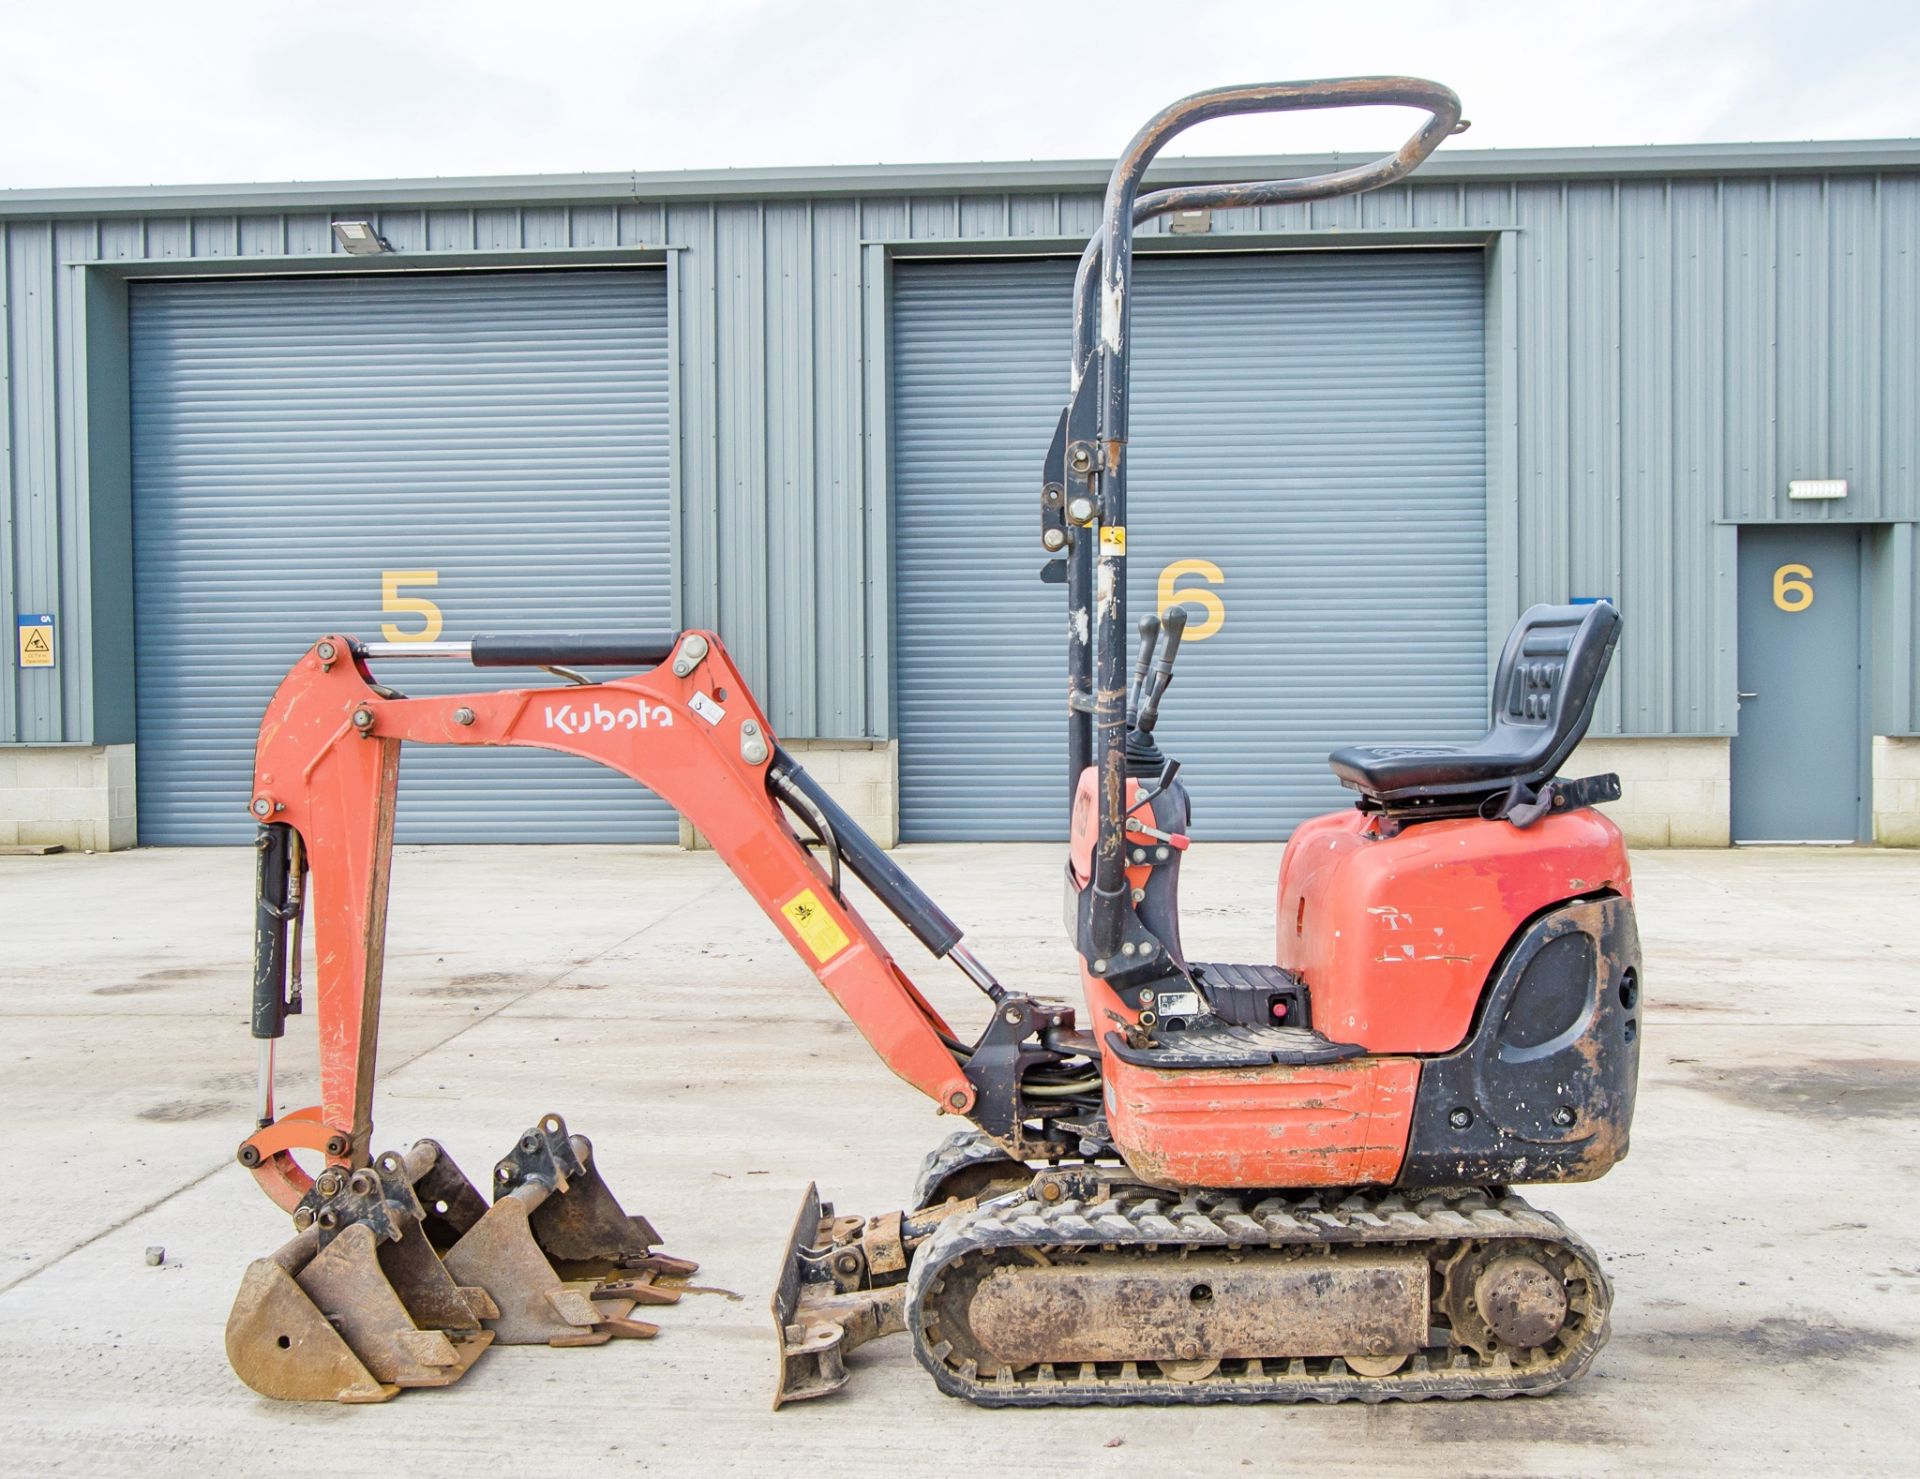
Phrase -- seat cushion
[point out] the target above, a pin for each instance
(1446, 770)
(1544, 690)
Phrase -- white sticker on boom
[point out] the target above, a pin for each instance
(1178, 1004)
(706, 708)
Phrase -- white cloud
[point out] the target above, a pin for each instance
(116, 93)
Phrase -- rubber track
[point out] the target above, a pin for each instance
(1141, 1219)
(960, 1149)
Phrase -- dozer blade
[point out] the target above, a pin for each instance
(824, 1304)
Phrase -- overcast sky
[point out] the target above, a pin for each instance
(117, 93)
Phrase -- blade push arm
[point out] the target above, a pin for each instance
(327, 766)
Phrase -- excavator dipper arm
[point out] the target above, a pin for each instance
(327, 768)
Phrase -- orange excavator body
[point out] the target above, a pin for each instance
(1230, 1182)
(1396, 932)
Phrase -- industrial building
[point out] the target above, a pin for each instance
(807, 409)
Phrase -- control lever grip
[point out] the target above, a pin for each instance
(1149, 636)
(1174, 625)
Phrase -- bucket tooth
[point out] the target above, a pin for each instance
(824, 1304)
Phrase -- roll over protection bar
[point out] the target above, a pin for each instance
(1095, 430)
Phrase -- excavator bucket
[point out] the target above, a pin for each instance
(401, 1274)
(562, 1261)
(357, 1305)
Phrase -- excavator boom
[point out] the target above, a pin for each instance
(327, 769)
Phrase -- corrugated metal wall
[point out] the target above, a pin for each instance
(1683, 346)
(499, 437)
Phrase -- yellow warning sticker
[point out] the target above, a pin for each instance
(1113, 539)
(36, 640)
(819, 929)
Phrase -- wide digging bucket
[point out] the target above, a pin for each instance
(357, 1305)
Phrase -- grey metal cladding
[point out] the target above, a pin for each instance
(1312, 425)
(294, 438)
(1682, 344)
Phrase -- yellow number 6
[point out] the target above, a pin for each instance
(420, 606)
(1793, 587)
(1207, 600)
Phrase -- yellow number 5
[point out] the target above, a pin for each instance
(1793, 587)
(1206, 599)
(420, 606)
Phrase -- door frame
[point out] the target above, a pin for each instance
(1864, 532)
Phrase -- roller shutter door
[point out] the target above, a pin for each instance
(1309, 425)
(294, 440)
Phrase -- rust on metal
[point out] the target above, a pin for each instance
(1174, 1307)
(402, 1274)
(536, 1308)
(1523, 1301)
(314, 1324)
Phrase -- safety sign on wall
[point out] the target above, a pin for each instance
(36, 639)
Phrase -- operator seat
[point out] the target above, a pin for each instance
(1543, 695)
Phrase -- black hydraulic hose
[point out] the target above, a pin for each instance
(868, 861)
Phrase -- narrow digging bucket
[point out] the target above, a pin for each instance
(563, 1263)
(357, 1305)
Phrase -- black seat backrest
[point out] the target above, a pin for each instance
(1548, 682)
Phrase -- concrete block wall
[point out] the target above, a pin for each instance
(862, 775)
(1896, 791)
(80, 796)
(1674, 792)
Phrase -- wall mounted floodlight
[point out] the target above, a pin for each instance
(1190, 223)
(1817, 488)
(359, 239)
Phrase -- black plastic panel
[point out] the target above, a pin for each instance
(1544, 1088)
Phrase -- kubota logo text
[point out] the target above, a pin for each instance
(584, 721)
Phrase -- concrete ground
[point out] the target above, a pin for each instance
(1768, 1278)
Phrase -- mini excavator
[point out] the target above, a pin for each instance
(1223, 1182)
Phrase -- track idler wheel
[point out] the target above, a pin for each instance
(1507, 1300)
